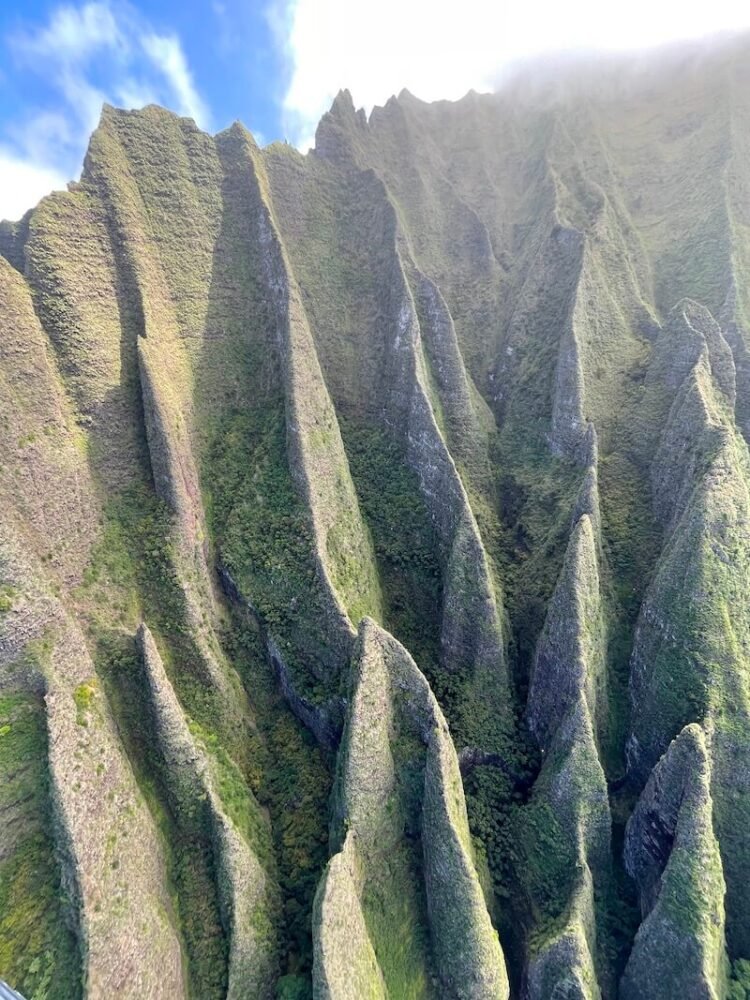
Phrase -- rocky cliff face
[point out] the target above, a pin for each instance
(374, 552)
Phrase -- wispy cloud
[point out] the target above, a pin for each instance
(101, 50)
(165, 52)
(72, 33)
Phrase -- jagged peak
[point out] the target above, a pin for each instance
(394, 109)
(695, 424)
(237, 131)
(694, 315)
(690, 342)
(569, 658)
(335, 136)
(126, 127)
(343, 104)
(406, 98)
(343, 112)
(376, 646)
(111, 113)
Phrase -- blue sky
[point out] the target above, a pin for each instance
(212, 60)
(277, 64)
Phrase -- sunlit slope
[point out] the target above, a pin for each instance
(375, 608)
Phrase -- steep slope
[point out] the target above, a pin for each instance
(420, 911)
(374, 610)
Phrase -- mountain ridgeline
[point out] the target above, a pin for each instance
(375, 552)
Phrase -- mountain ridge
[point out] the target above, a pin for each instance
(323, 469)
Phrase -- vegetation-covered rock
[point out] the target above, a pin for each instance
(672, 853)
(421, 914)
(425, 458)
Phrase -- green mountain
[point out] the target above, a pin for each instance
(375, 552)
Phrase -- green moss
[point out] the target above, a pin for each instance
(38, 953)
(739, 983)
(271, 557)
(236, 797)
(386, 841)
(357, 585)
(84, 696)
(396, 918)
(330, 248)
(264, 537)
(618, 912)
(291, 987)
(536, 492)
(293, 782)
(111, 578)
(185, 833)
(549, 866)
(490, 803)
(687, 883)
(169, 187)
(410, 573)
(632, 540)
(403, 536)
(7, 597)
(133, 574)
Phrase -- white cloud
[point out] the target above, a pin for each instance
(101, 50)
(442, 49)
(62, 52)
(84, 99)
(41, 135)
(73, 33)
(135, 93)
(166, 54)
(23, 183)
